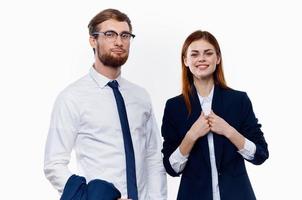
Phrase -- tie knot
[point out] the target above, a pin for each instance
(113, 84)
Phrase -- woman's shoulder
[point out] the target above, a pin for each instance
(234, 97)
(176, 104)
(232, 93)
(176, 100)
(176, 108)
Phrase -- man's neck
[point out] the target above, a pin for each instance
(109, 72)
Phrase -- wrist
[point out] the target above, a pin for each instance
(230, 132)
(191, 136)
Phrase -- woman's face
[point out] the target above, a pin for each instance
(201, 58)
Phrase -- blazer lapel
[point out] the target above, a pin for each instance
(201, 143)
(217, 107)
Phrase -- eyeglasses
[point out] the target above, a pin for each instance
(112, 35)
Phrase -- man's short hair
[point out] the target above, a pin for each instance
(107, 15)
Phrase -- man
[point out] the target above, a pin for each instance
(108, 121)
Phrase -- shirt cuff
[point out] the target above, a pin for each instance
(248, 150)
(178, 161)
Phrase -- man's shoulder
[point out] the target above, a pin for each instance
(75, 88)
(135, 88)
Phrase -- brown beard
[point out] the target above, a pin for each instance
(111, 61)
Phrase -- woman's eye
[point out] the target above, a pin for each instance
(209, 53)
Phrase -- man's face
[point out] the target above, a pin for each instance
(112, 52)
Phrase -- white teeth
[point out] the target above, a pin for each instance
(202, 66)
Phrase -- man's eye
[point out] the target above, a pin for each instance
(125, 35)
(109, 34)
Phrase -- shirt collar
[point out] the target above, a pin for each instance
(102, 80)
(207, 98)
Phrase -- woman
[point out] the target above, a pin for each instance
(210, 129)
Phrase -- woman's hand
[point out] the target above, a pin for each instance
(219, 125)
(200, 127)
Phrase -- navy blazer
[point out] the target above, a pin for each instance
(196, 181)
(77, 189)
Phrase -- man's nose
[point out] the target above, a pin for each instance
(118, 41)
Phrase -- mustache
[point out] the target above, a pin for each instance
(118, 49)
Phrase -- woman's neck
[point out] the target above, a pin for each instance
(204, 86)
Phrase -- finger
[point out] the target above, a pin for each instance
(206, 126)
(203, 115)
(212, 114)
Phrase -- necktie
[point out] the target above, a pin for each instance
(130, 160)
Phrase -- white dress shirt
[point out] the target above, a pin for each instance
(85, 118)
(178, 161)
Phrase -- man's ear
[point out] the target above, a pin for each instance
(92, 41)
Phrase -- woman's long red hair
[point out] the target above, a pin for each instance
(187, 77)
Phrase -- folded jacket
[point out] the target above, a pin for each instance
(77, 189)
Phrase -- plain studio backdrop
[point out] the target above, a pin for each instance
(44, 47)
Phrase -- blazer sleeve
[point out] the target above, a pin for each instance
(77, 189)
(171, 138)
(250, 128)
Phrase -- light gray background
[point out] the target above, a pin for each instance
(44, 47)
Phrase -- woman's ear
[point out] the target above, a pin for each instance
(218, 60)
(185, 61)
